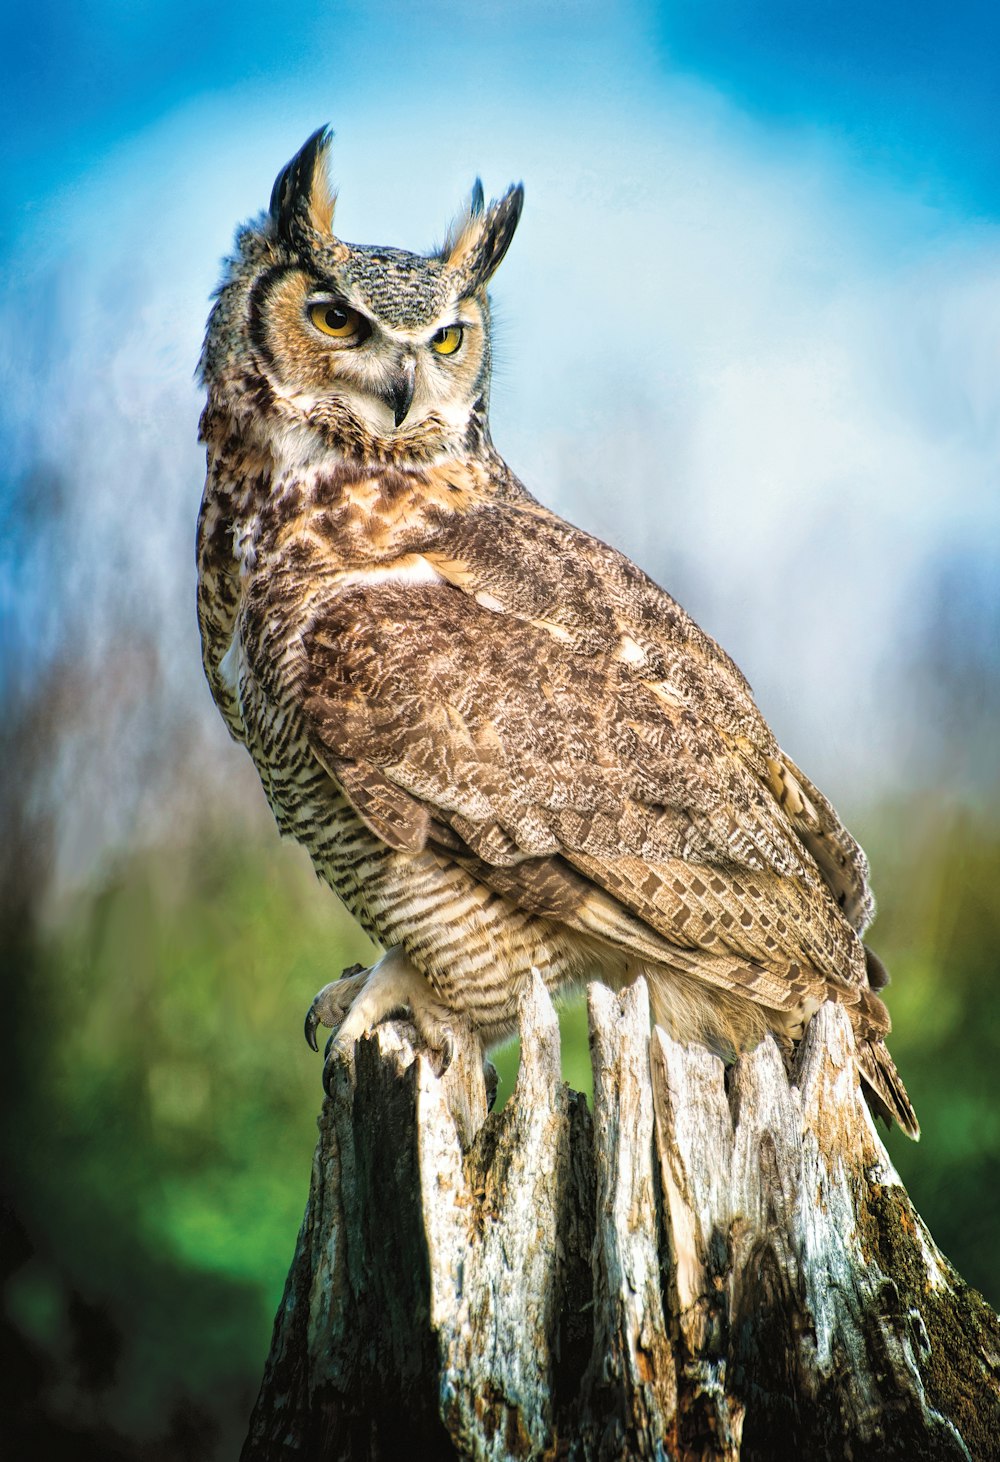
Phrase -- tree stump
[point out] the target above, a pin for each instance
(716, 1265)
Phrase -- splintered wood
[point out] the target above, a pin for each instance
(716, 1265)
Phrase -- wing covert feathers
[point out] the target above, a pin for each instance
(392, 814)
(697, 862)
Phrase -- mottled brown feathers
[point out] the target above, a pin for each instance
(504, 746)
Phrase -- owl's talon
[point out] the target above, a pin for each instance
(447, 1051)
(355, 1005)
(331, 1004)
(312, 1021)
(338, 1052)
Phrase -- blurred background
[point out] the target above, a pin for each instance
(747, 332)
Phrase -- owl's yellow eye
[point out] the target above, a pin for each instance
(447, 340)
(339, 321)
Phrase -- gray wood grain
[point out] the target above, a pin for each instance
(718, 1265)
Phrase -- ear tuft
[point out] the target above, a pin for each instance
(479, 239)
(302, 200)
(464, 222)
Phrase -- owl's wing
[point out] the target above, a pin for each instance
(577, 789)
(524, 561)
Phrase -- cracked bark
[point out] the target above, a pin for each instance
(714, 1266)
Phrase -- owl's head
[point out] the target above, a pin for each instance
(363, 350)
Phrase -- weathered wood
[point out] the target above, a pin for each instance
(492, 1226)
(718, 1265)
(849, 1333)
(694, 1134)
(630, 1401)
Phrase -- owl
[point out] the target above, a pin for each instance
(505, 748)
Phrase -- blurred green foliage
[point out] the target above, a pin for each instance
(165, 1123)
(163, 1109)
(938, 874)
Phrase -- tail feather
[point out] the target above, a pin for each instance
(883, 1087)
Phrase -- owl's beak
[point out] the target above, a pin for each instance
(400, 393)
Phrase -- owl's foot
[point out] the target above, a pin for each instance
(356, 1003)
(334, 1001)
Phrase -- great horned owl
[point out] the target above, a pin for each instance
(503, 745)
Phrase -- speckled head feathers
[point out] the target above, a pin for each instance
(409, 345)
(405, 288)
(301, 215)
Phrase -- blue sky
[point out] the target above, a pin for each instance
(910, 87)
(747, 330)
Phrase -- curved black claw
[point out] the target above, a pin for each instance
(314, 1016)
(329, 1063)
(311, 1023)
(492, 1078)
